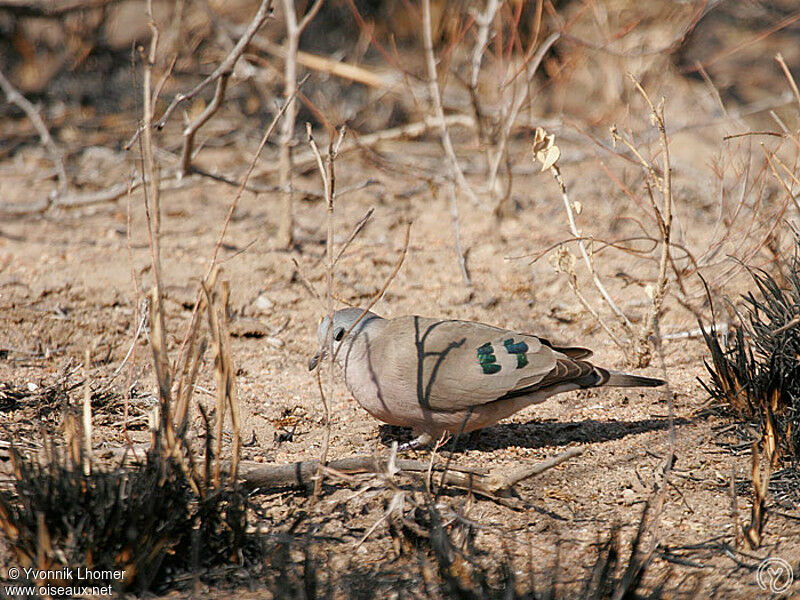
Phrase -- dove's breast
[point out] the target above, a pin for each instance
(362, 373)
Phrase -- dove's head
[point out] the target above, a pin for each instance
(346, 323)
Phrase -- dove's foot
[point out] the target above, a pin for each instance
(421, 441)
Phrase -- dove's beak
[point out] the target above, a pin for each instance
(315, 360)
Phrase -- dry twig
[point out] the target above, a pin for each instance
(664, 220)
(546, 152)
(190, 131)
(433, 86)
(329, 184)
(227, 65)
(15, 97)
(293, 31)
(462, 261)
(517, 101)
(152, 205)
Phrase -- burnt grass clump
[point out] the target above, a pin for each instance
(144, 520)
(757, 373)
(147, 520)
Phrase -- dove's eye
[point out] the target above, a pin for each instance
(338, 334)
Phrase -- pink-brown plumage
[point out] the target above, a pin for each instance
(457, 376)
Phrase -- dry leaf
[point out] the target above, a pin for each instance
(563, 261)
(544, 148)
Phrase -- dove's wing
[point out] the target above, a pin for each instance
(454, 365)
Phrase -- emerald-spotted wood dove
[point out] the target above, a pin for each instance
(438, 375)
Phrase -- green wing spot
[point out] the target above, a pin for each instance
(520, 348)
(487, 359)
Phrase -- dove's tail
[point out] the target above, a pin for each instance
(616, 379)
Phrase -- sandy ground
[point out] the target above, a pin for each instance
(66, 287)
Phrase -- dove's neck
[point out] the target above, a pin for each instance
(358, 346)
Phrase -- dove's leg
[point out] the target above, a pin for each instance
(421, 441)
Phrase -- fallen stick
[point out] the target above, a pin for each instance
(323, 64)
(496, 483)
(301, 474)
(409, 131)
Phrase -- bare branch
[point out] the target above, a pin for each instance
(293, 32)
(226, 66)
(189, 132)
(484, 21)
(433, 86)
(462, 261)
(664, 220)
(15, 97)
(516, 106)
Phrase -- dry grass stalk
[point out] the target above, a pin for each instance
(159, 349)
(187, 380)
(293, 31)
(152, 204)
(164, 437)
(87, 417)
(230, 389)
(328, 175)
(225, 376)
(789, 76)
(772, 158)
